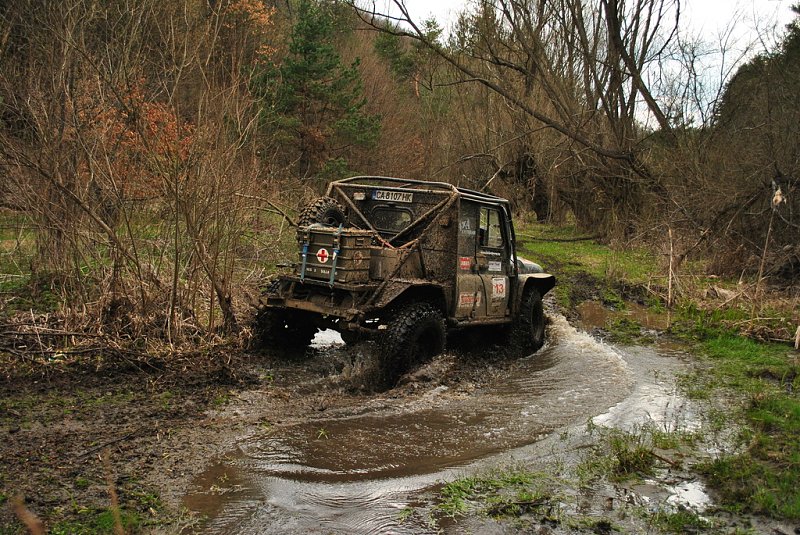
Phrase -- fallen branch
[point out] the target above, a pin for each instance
(112, 491)
(734, 298)
(21, 354)
(276, 207)
(751, 320)
(564, 240)
(50, 332)
(664, 459)
(109, 443)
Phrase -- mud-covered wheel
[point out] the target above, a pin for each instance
(324, 211)
(351, 337)
(528, 329)
(415, 333)
(275, 328)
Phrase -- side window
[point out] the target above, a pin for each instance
(490, 233)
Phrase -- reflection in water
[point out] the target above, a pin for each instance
(691, 495)
(355, 474)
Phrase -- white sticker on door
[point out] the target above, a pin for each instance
(498, 287)
(495, 266)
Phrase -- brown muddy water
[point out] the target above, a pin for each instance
(593, 315)
(358, 473)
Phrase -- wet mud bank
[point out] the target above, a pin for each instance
(374, 465)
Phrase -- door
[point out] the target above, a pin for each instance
(484, 263)
(470, 293)
(492, 260)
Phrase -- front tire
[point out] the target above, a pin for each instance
(415, 333)
(528, 329)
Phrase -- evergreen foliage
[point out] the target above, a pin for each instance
(313, 100)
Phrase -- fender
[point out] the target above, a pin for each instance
(421, 290)
(543, 282)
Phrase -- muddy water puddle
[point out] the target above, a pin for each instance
(358, 473)
(593, 315)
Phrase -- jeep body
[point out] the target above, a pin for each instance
(404, 241)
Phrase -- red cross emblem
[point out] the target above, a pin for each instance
(322, 256)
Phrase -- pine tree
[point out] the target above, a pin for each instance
(314, 101)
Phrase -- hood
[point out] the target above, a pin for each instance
(526, 266)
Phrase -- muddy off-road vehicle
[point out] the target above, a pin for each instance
(401, 262)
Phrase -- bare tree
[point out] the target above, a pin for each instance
(129, 140)
(574, 71)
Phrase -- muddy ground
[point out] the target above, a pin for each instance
(162, 421)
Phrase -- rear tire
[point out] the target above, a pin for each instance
(415, 333)
(323, 211)
(350, 337)
(275, 328)
(528, 328)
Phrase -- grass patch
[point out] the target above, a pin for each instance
(503, 493)
(692, 323)
(631, 454)
(750, 483)
(746, 363)
(98, 522)
(680, 522)
(765, 478)
(624, 330)
(621, 455)
(635, 265)
(586, 269)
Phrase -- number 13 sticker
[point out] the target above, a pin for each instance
(498, 287)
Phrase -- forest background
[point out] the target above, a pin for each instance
(148, 150)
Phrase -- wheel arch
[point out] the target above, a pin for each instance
(399, 293)
(542, 282)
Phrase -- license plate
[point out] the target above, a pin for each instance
(392, 196)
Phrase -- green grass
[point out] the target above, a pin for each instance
(765, 478)
(620, 455)
(625, 331)
(749, 483)
(501, 493)
(748, 365)
(635, 265)
(680, 522)
(97, 522)
(577, 264)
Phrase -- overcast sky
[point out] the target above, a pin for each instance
(705, 17)
(756, 26)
